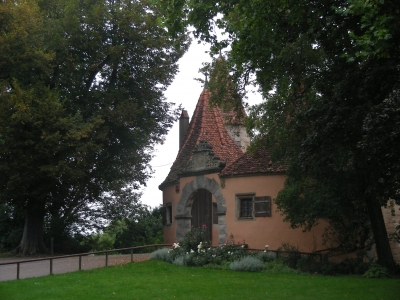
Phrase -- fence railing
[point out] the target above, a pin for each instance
(52, 258)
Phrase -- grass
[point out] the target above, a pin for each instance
(160, 280)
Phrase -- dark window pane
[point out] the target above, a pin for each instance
(246, 208)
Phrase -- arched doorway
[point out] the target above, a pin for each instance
(202, 211)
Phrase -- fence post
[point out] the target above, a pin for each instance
(80, 262)
(18, 270)
(106, 258)
(51, 266)
(131, 255)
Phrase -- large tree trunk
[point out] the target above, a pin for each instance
(383, 250)
(32, 238)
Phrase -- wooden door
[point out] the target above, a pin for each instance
(202, 211)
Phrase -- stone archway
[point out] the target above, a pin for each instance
(183, 210)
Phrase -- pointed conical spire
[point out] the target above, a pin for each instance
(207, 125)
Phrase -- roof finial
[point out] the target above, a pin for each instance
(206, 80)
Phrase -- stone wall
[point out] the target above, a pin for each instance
(391, 222)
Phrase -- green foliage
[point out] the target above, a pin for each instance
(247, 263)
(345, 267)
(101, 242)
(291, 256)
(81, 107)
(376, 271)
(160, 254)
(11, 227)
(266, 256)
(309, 264)
(193, 250)
(180, 260)
(193, 238)
(142, 227)
(278, 267)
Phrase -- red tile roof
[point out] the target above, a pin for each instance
(253, 163)
(207, 124)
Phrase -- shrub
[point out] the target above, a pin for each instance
(247, 263)
(101, 242)
(160, 254)
(351, 266)
(291, 256)
(266, 256)
(180, 260)
(193, 238)
(196, 260)
(309, 264)
(376, 271)
(278, 267)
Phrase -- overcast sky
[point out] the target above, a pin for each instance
(185, 91)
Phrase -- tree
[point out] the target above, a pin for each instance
(144, 227)
(81, 105)
(329, 73)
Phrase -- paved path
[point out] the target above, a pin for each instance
(62, 265)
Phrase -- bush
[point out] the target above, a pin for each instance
(247, 263)
(160, 254)
(101, 242)
(309, 264)
(279, 267)
(266, 256)
(196, 260)
(291, 256)
(351, 266)
(179, 260)
(376, 271)
(193, 238)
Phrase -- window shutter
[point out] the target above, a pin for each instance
(262, 206)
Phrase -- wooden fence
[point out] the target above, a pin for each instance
(106, 252)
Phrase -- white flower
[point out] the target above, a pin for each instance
(200, 245)
(265, 251)
(229, 252)
(191, 251)
(242, 246)
(213, 255)
(175, 245)
(266, 246)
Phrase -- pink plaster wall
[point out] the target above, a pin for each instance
(261, 231)
(169, 195)
(256, 233)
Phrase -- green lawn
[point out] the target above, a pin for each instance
(160, 280)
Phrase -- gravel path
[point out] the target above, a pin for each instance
(62, 265)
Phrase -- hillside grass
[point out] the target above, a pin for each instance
(159, 280)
